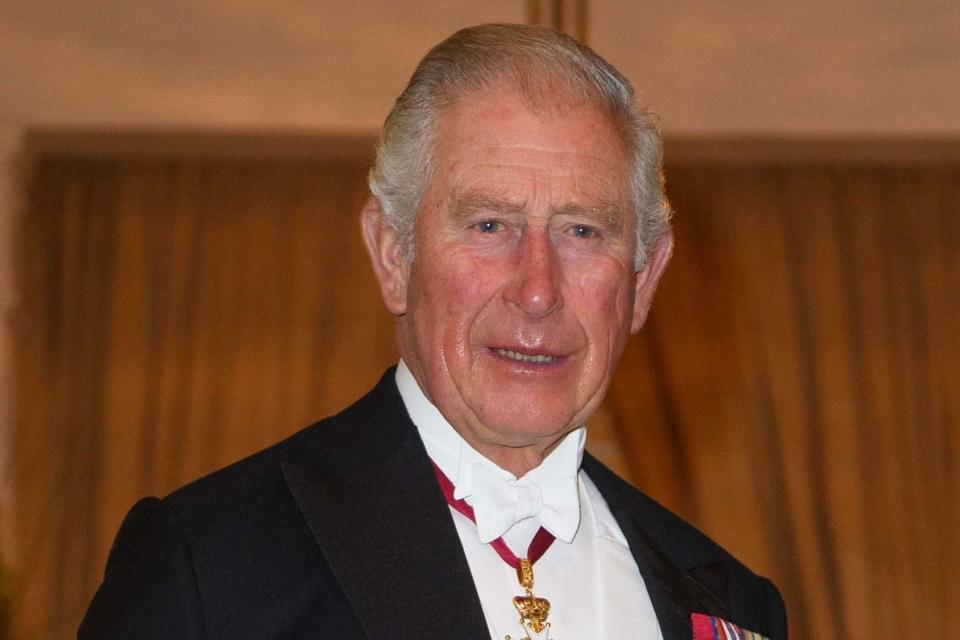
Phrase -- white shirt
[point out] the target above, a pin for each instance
(592, 582)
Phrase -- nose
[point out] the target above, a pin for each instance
(534, 285)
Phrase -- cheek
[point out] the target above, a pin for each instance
(606, 307)
(608, 293)
(461, 284)
(449, 293)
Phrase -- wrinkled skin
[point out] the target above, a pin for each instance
(515, 309)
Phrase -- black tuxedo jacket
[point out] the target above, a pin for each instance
(341, 531)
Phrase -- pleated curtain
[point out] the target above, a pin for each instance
(794, 393)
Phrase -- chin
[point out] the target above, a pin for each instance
(520, 428)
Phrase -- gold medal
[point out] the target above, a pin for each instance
(533, 610)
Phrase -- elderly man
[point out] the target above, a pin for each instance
(518, 229)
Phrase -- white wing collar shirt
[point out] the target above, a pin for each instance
(588, 574)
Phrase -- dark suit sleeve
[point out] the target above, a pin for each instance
(149, 588)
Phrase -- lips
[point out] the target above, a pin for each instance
(535, 358)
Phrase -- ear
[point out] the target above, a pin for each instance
(386, 256)
(649, 277)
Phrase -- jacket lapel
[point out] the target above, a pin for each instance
(371, 499)
(676, 592)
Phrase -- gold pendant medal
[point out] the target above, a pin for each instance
(533, 610)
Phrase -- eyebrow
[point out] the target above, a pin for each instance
(610, 215)
(468, 205)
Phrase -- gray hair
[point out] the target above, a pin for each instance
(537, 62)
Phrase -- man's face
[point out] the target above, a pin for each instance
(516, 306)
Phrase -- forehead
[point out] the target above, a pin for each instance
(497, 135)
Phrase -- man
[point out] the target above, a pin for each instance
(518, 229)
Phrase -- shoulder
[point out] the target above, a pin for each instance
(750, 599)
(231, 551)
(241, 511)
(252, 484)
(686, 545)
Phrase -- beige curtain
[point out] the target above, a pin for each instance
(795, 392)
(802, 372)
(176, 316)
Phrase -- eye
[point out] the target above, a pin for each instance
(583, 231)
(489, 226)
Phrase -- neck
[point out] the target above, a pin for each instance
(516, 460)
(515, 454)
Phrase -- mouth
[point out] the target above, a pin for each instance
(531, 358)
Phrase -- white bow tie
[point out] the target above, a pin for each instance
(499, 503)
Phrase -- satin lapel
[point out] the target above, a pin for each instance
(387, 534)
(675, 593)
